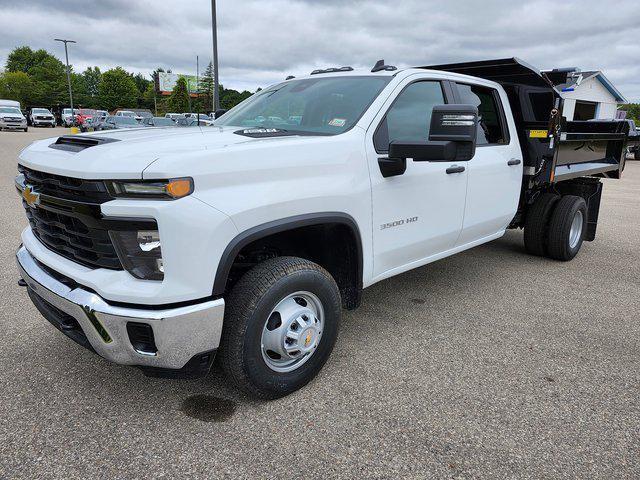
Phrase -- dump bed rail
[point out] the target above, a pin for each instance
(553, 149)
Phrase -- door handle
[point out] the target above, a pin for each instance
(514, 161)
(455, 169)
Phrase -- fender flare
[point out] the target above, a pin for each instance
(264, 230)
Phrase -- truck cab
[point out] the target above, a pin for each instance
(166, 248)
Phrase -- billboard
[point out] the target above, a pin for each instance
(166, 82)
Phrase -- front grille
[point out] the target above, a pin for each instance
(70, 237)
(58, 186)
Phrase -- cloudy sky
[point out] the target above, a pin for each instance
(262, 41)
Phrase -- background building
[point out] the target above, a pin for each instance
(589, 95)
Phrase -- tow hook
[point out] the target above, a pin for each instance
(22, 283)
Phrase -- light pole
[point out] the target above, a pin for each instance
(66, 56)
(214, 28)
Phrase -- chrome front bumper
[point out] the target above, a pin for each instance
(181, 334)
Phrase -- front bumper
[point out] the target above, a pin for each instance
(15, 125)
(185, 337)
(43, 122)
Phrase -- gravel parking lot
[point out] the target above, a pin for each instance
(488, 364)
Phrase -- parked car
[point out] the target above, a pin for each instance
(115, 122)
(11, 118)
(174, 116)
(158, 122)
(141, 115)
(193, 122)
(138, 116)
(201, 116)
(42, 117)
(82, 114)
(66, 118)
(634, 141)
(10, 103)
(245, 241)
(94, 122)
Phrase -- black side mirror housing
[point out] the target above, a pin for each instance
(452, 137)
(218, 113)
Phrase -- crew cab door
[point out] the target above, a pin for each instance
(495, 173)
(418, 214)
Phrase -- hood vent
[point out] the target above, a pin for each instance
(77, 143)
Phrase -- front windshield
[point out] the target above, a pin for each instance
(67, 111)
(325, 106)
(10, 110)
(40, 110)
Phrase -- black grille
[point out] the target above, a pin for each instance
(79, 190)
(70, 237)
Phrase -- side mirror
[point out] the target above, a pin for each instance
(452, 137)
(219, 112)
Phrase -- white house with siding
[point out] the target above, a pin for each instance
(589, 95)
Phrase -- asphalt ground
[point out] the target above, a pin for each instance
(488, 364)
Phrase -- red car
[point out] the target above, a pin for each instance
(83, 114)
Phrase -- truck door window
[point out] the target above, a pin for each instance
(490, 127)
(409, 118)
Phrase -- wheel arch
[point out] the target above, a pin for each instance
(288, 224)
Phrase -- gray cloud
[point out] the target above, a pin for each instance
(261, 41)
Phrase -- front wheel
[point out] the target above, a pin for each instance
(281, 323)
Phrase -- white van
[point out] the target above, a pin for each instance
(11, 116)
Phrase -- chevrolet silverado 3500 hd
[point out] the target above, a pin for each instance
(165, 248)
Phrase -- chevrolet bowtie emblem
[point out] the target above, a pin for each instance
(31, 196)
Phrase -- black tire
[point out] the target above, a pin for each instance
(559, 244)
(636, 155)
(26, 129)
(536, 224)
(248, 308)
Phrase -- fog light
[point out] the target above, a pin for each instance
(140, 253)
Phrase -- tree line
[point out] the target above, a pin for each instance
(36, 78)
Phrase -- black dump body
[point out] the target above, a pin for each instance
(553, 149)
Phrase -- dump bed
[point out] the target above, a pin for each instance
(553, 148)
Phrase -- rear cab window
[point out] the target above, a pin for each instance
(492, 128)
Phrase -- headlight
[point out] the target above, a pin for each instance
(140, 253)
(167, 189)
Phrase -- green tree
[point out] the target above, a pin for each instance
(117, 90)
(46, 71)
(633, 112)
(149, 99)
(17, 86)
(179, 98)
(92, 78)
(205, 89)
(229, 98)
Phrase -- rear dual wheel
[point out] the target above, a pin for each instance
(555, 226)
(567, 228)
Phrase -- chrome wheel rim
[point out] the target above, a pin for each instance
(292, 331)
(575, 234)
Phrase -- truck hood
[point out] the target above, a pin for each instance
(127, 153)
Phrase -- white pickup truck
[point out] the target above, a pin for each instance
(165, 248)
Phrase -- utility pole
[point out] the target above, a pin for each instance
(216, 93)
(66, 56)
(198, 88)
